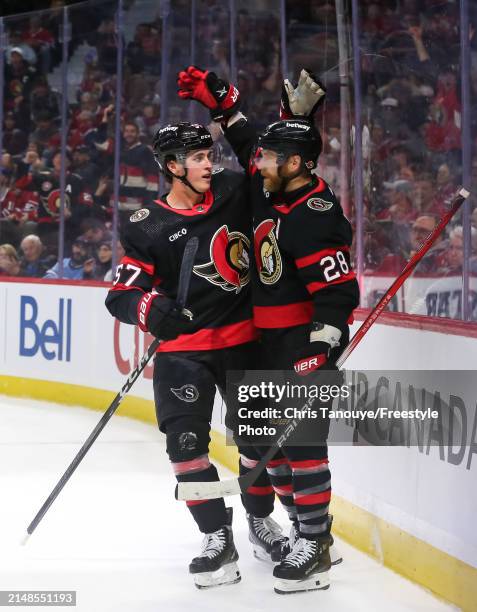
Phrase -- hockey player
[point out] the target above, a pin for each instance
(304, 294)
(195, 353)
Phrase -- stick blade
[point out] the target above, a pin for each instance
(191, 491)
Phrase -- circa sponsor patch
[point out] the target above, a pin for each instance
(319, 204)
(139, 215)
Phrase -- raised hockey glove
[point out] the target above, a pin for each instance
(315, 355)
(219, 96)
(160, 316)
(303, 99)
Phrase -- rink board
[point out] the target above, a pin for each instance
(58, 343)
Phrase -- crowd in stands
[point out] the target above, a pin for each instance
(412, 114)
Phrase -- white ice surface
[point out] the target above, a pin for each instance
(116, 535)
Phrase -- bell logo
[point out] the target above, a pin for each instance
(53, 338)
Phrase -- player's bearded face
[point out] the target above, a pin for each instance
(270, 163)
(267, 163)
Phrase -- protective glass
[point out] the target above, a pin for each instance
(266, 158)
(202, 157)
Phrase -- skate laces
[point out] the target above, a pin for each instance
(267, 529)
(302, 551)
(213, 544)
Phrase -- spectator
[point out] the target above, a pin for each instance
(19, 78)
(34, 262)
(148, 122)
(138, 172)
(108, 277)
(104, 255)
(15, 139)
(18, 210)
(78, 201)
(94, 232)
(16, 42)
(424, 192)
(455, 252)
(41, 40)
(84, 167)
(9, 262)
(43, 100)
(46, 134)
(435, 257)
(79, 266)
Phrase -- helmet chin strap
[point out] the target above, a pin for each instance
(183, 179)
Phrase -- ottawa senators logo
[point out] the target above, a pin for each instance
(267, 253)
(229, 265)
(52, 203)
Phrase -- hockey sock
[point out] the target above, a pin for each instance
(311, 491)
(280, 475)
(259, 498)
(209, 514)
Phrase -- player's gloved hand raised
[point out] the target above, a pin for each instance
(160, 316)
(315, 355)
(219, 96)
(303, 99)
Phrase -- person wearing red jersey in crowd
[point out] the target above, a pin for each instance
(78, 201)
(18, 210)
(304, 290)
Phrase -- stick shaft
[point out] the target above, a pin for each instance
(185, 274)
(196, 490)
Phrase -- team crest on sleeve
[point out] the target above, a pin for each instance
(319, 204)
(267, 253)
(139, 215)
(229, 265)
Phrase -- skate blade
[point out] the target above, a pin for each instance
(315, 582)
(228, 574)
(335, 555)
(261, 554)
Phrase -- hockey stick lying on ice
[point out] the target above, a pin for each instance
(235, 486)
(185, 274)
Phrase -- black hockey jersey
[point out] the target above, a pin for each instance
(301, 250)
(78, 201)
(219, 294)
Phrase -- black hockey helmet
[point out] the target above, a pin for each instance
(174, 141)
(293, 137)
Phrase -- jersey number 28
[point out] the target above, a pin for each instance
(334, 266)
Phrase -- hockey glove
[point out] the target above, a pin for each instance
(160, 316)
(316, 354)
(302, 100)
(220, 97)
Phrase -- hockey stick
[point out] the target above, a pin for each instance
(235, 486)
(185, 274)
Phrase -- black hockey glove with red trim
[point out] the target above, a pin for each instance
(303, 99)
(219, 96)
(315, 355)
(160, 316)
(311, 357)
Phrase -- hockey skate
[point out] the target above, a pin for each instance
(266, 537)
(305, 568)
(335, 555)
(216, 564)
